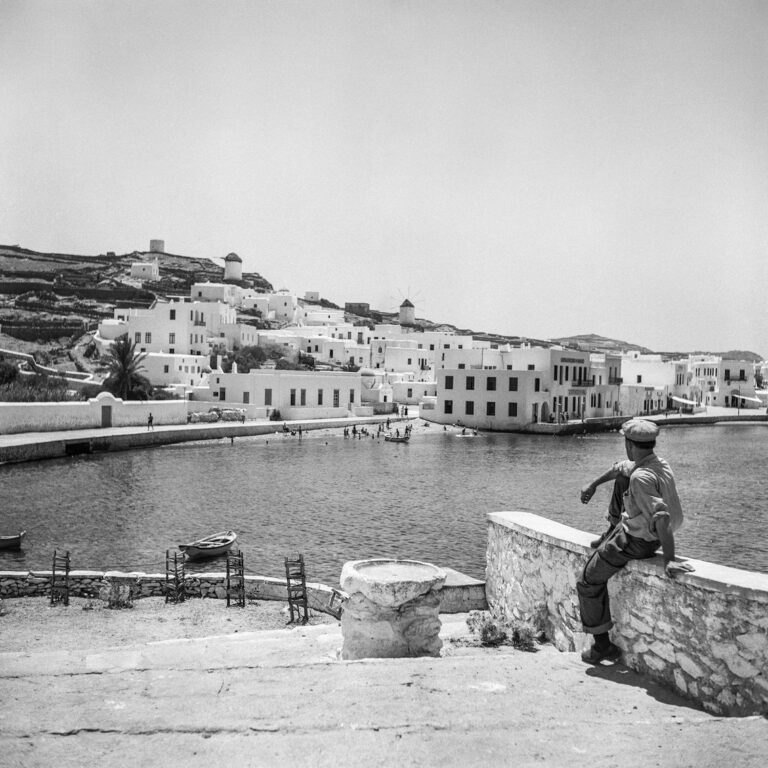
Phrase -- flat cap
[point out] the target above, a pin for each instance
(640, 431)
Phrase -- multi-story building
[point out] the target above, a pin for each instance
(723, 382)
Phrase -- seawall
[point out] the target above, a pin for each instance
(703, 635)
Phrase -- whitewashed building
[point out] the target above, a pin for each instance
(296, 394)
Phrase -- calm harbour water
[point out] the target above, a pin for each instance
(337, 500)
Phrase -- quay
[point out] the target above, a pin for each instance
(31, 446)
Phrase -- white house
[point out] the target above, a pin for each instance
(296, 394)
(145, 270)
(166, 370)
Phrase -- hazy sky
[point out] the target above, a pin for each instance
(531, 168)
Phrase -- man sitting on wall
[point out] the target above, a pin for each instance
(644, 513)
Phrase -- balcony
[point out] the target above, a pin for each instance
(615, 380)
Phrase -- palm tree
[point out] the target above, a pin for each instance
(125, 379)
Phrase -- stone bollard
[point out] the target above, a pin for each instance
(393, 609)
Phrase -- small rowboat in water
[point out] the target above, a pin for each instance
(12, 542)
(210, 546)
(396, 439)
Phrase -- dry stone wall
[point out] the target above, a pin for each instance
(91, 584)
(704, 634)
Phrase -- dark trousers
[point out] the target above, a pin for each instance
(608, 559)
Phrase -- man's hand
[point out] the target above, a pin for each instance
(675, 568)
(587, 492)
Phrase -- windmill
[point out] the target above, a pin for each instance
(406, 307)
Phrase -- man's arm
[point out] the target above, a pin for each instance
(588, 491)
(667, 539)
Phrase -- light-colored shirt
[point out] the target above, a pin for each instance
(652, 494)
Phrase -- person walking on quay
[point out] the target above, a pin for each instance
(643, 514)
(150, 422)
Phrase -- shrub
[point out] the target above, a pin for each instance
(8, 372)
(275, 415)
(491, 632)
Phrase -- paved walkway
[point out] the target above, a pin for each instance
(282, 698)
(34, 445)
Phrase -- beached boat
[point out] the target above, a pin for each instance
(12, 542)
(396, 439)
(209, 546)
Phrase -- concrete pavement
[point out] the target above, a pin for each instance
(283, 698)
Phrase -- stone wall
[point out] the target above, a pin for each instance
(211, 585)
(51, 417)
(704, 634)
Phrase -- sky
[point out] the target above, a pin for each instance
(539, 169)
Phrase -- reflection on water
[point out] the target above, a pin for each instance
(337, 500)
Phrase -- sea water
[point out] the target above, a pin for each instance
(335, 499)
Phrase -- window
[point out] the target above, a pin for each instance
(511, 409)
(432, 347)
(137, 337)
(554, 373)
(491, 384)
(172, 350)
(536, 384)
(173, 314)
(223, 393)
(409, 361)
(319, 396)
(303, 397)
(462, 366)
(469, 408)
(165, 369)
(336, 393)
(267, 397)
(410, 392)
(639, 379)
(293, 397)
(513, 383)
(726, 374)
(470, 382)
(351, 396)
(448, 407)
(449, 382)
(171, 338)
(531, 367)
(246, 398)
(330, 353)
(490, 409)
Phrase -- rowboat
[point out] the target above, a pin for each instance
(209, 546)
(12, 542)
(395, 439)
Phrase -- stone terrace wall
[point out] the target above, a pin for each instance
(211, 585)
(704, 634)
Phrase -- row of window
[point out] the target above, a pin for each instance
(490, 408)
(490, 383)
(297, 396)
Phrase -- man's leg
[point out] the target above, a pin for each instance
(616, 505)
(612, 555)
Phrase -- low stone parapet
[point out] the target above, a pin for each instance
(91, 584)
(703, 634)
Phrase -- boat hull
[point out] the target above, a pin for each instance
(210, 546)
(12, 542)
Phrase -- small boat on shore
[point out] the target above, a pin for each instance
(397, 439)
(12, 542)
(209, 546)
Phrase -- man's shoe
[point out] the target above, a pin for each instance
(595, 656)
(597, 542)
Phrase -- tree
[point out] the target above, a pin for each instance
(125, 365)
